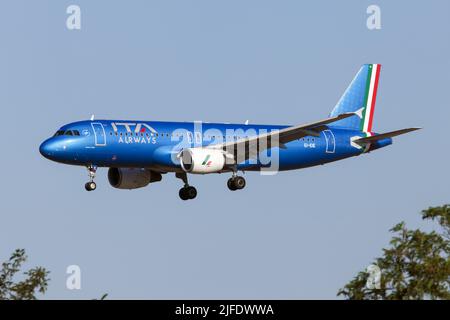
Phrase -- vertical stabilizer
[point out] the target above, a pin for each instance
(360, 98)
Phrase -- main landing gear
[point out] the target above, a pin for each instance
(236, 182)
(187, 192)
(91, 185)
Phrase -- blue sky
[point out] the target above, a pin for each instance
(299, 234)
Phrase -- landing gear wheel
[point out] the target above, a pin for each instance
(90, 186)
(183, 195)
(188, 193)
(236, 183)
(239, 183)
(191, 192)
(230, 184)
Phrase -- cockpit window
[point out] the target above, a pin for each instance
(67, 133)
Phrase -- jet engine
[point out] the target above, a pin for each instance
(202, 160)
(132, 178)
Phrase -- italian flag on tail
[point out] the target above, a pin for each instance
(359, 98)
(368, 109)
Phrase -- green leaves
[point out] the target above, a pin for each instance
(415, 266)
(36, 279)
(442, 215)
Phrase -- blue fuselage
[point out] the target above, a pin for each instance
(154, 145)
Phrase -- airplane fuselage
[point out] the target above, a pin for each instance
(154, 145)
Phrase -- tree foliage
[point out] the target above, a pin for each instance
(35, 280)
(415, 266)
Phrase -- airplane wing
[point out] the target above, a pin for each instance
(250, 147)
(384, 135)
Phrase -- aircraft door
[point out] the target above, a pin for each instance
(330, 141)
(99, 134)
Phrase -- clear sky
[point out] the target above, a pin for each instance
(298, 234)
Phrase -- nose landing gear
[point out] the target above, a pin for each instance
(91, 185)
(187, 192)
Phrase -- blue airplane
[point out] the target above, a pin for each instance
(138, 153)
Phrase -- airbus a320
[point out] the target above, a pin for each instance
(138, 153)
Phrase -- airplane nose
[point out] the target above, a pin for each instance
(46, 149)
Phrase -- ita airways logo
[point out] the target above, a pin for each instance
(133, 127)
(207, 162)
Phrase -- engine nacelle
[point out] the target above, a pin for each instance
(132, 178)
(202, 160)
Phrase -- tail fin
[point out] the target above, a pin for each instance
(359, 98)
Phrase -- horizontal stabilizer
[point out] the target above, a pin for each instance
(385, 135)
